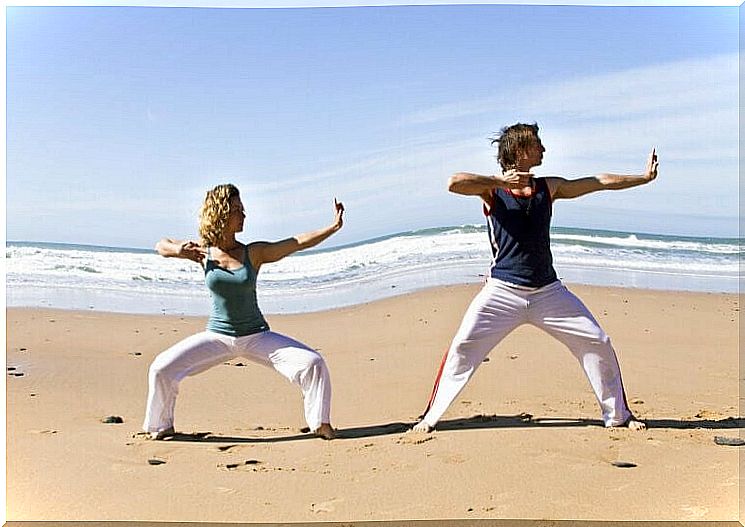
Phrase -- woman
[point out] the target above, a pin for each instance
(236, 326)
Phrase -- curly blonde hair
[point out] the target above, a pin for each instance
(213, 216)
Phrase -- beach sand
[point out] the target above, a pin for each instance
(248, 461)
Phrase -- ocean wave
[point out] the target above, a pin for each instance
(418, 254)
(633, 241)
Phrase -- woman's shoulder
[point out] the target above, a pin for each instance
(253, 253)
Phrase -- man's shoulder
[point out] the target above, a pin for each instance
(552, 181)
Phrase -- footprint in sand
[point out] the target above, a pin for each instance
(414, 438)
(233, 466)
(325, 506)
(226, 490)
(225, 448)
(708, 414)
(453, 459)
(623, 464)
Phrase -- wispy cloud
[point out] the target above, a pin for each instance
(675, 87)
(688, 109)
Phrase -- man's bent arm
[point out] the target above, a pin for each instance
(470, 184)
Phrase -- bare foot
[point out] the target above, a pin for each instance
(632, 423)
(421, 426)
(158, 436)
(325, 431)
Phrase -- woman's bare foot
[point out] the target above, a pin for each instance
(157, 436)
(325, 431)
(421, 426)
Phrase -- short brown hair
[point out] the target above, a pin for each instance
(512, 139)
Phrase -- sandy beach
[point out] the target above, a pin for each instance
(523, 441)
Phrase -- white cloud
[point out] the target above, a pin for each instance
(673, 87)
(607, 122)
(687, 109)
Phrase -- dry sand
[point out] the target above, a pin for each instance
(247, 460)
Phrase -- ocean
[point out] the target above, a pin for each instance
(139, 281)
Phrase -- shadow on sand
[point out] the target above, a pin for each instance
(476, 422)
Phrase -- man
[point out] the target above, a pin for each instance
(523, 287)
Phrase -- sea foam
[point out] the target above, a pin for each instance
(121, 279)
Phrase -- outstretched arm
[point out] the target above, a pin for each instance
(573, 188)
(186, 249)
(267, 252)
(470, 184)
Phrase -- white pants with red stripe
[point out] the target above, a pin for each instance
(497, 310)
(294, 360)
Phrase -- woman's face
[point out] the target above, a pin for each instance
(237, 215)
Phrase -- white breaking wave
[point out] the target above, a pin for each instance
(370, 269)
(633, 241)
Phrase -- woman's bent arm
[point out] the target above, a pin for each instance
(267, 252)
(186, 249)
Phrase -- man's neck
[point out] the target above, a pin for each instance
(527, 191)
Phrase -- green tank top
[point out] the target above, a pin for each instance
(235, 311)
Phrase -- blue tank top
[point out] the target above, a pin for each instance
(519, 236)
(235, 311)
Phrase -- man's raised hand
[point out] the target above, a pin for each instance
(651, 172)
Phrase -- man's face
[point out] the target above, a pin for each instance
(533, 154)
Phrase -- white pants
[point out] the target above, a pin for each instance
(497, 310)
(294, 360)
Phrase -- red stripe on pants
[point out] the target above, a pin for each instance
(437, 383)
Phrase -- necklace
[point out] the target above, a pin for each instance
(521, 200)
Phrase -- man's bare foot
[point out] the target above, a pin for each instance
(421, 426)
(325, 431)
(158, 436)
(632, 423)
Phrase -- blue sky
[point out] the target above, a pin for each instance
(120, 118)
